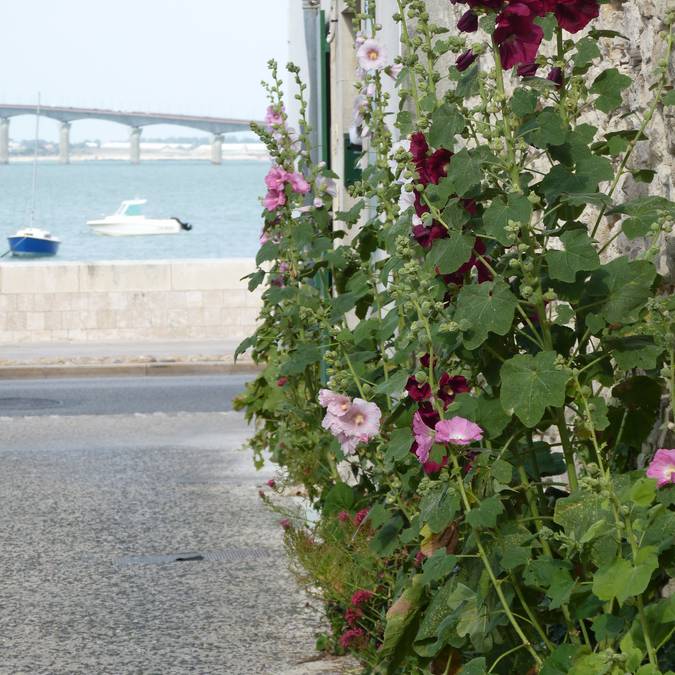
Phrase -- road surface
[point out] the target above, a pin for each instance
(100, 496)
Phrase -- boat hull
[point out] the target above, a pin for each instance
(139, 228)
(32, 246)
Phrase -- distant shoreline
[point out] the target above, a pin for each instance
(157, 151)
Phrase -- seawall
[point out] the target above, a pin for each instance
(126, 301)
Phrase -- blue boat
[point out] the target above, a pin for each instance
(32, 241)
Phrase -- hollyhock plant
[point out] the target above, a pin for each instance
(276, 178)
(336, 404)
(468, 22)
(361, 421)
(371, 55)
(662, 467)
(458, 431)
(556, 76)
(274, 117)
(418, 391)
(424, 437)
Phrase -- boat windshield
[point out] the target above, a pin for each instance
(131, 209)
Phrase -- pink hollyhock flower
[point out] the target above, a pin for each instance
(263, 238)
(336, 404)
(274, 199)
(574, 15)
(359, 518)
(450, 386)
(394, 70)
(351, 636)
(361, 597)
(276, 178)
(361, 421)
(424, 437)
(662, 467)
(516, 34)
(343, 516)
(458, 431)
(347, 443)
(274, 117)
(298, 183)
(371, 55)
(317, 203)
(326, 185)
(418, 392)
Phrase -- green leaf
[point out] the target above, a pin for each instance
(464, 172)
(531, 383)
(449, 254)
(399, 445)
(607, 627)
(467, 85)
(477, 666)
(446, 122)
(485, 516)
(394, 385)
(643, 212)
(623, 579)
(514, 557)
(547, 128)
(524, 101)
(669, 98)
(386, 539)
(400, 615)
(623, 286)
(501, 471)
(579, 513)
(351, 217)
(634, 351)
(496, 217)
(660, 618)
(560, 661)
(488, 308)
(300, 360)
(587, 50)
(439, 507)
(609, 85)
(268, 251)
(404, 122)
(486, 412)
(433, 627)
(643, 491)
(579, 256)
(438, 566)
(598, 407)
(339, 498)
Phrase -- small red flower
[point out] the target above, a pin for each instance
(352, 616)
(343, 516)
(361, 597)
(272, 483)
(282, 381)
(360, 516)
(465, 60)
(352, 637)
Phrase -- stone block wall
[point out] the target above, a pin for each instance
(126, 301)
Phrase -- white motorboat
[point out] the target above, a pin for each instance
(129, 220)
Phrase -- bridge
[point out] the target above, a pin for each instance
(216, 126)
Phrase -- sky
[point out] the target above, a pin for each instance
(201, 57)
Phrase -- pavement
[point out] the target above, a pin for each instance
(75, 359)
(136, 542)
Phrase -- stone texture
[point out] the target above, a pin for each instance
(126, 300)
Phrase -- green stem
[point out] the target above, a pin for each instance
(568, 451)
(488, 567)
(508, 135)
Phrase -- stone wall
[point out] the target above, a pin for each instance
(126, 301)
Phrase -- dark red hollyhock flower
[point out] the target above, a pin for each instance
(556, 76)
(517, 36)
(468, 22)
(431, 168)
(573, 15)
(418, 392)
(527, 69)
(465, 60)
(451, 385)
(426, 236)
(424, 361)
(428, 414)
(484, 274)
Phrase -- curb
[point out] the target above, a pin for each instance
(155, 369)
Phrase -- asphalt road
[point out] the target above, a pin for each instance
(119, 395)
(97, 509)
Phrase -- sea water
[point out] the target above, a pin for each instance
(221, 202)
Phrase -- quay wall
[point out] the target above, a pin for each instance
(126, 301)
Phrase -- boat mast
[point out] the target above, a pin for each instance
(35, 160)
